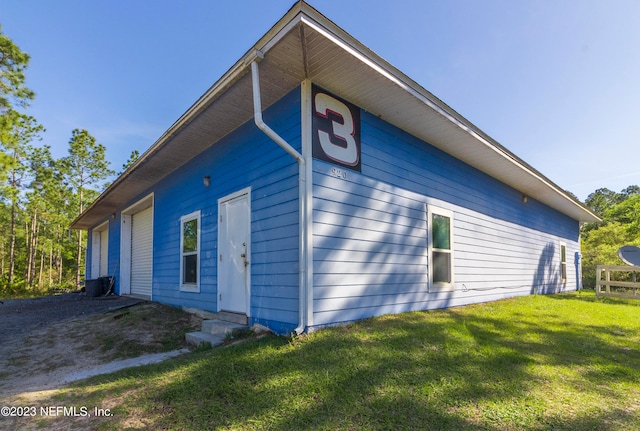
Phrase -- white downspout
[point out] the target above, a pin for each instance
(302, 190)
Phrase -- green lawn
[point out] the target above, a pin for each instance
(559, 362)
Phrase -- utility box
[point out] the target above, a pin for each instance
(107, 282)
(93, 288)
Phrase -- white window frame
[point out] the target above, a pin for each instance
(431, 211)
(190, 287)
(563, 263)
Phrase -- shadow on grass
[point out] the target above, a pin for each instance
(588, 295)
(464, 369)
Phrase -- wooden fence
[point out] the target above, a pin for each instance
(623, 284)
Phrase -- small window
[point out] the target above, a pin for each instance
(563, 262)
(440, 248)
(190, 251)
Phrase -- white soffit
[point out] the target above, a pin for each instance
(359, 75)
(306, 45)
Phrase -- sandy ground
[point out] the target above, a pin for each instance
(46, 343)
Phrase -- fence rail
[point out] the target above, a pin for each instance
(607, 287)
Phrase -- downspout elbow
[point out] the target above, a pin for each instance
(257, 116)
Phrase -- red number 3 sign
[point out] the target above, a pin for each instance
(336, 130)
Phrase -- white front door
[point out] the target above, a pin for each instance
(234, 248)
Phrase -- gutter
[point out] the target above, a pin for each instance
(302, 190)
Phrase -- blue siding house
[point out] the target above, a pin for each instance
(315, 184)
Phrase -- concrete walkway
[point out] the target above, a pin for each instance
(122, 364)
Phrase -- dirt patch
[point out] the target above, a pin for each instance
(42, 343)
(20, 316)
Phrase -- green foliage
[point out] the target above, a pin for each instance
(602, 199)
(627, 213)
(133, 157)
(85, 166)
(39, 196)
(631, 191)
(620, 226)
(13, 63)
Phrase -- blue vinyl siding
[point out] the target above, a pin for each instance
(370, 229)
(88, 255)
(245, 158)
(114, 251)
(370, 232)
(369, 248)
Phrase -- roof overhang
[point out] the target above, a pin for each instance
(306, 45)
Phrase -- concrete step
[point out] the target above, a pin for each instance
(213, 332)
(197, 338)
(219, 327)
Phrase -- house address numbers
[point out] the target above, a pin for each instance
(339, 173)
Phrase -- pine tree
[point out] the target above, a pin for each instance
(84, 169)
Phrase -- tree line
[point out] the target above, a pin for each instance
(40, 196)
(620, 225)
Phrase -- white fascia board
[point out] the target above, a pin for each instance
(366, 56)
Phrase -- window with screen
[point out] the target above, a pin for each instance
(440, 248)
(190, 251)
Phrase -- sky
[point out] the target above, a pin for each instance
(557, 82)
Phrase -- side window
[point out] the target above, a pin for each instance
(563, 262)
(190, 252)
(440, 227)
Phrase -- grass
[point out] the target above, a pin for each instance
(138, 330)
(559, 362)
(20, 291)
